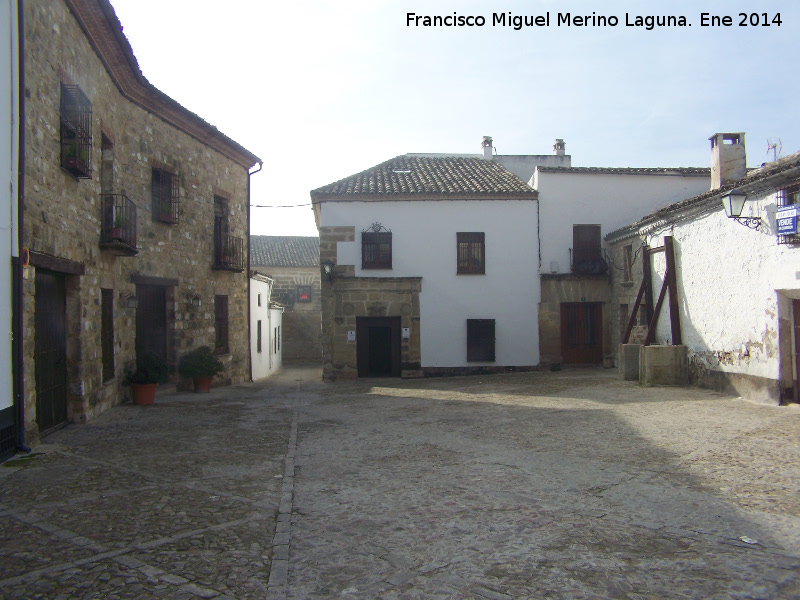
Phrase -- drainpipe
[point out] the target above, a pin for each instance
(17, 325)
(249, 310)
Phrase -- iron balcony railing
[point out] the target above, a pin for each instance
(118, 231)
(228, 252)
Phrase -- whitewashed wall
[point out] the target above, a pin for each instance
(268, 360)
(424, 245)
(734, 287)
(606, 199)
(9, 122)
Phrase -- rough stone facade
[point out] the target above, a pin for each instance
(560, 288)
(63, 215)
(345, 298)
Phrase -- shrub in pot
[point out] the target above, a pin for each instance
(200, 365)
(150, 370)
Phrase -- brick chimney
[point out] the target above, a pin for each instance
(559, 147)
(486, 144)
(728, 158)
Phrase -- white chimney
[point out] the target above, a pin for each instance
(486, 144)
(559, 148)
(728, 158)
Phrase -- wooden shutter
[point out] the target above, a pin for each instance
(480, 340)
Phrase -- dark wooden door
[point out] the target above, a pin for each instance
(796, 310)
(50, 354)
(378, 346)
(582, 333)
(151, 320)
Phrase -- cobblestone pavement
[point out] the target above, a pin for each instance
(529, 485)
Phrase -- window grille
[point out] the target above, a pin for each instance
(471, 253)
(165, 192)
(376, 250)
(76, 132)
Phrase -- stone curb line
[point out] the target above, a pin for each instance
(279, 566)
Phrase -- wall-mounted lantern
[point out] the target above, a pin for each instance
(194, 301)
(733, 203)
(327, 269)
(128, 300)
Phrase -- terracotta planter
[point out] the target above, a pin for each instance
(202, 384)
(144, 393)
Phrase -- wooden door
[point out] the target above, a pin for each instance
(582, 333)
(50, 354)
(378, 346)
(151, 320)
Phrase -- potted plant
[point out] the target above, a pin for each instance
(118, 227)
(150, 370)
(200, 365)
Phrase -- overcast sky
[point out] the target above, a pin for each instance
(323, 89)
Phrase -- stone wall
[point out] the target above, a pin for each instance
(302, 321)
(63, 218)
(560, 288)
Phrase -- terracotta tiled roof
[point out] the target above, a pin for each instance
(699, 171)
(284, 251)
(426, 177)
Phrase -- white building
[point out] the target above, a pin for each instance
(430, 260)
(577, 207)
(265, 328)
(9, 252)
(738, 287)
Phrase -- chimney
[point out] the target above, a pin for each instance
(559, 148)
(728, 158)
(486, 144)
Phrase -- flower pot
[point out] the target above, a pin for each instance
(144, 393)
(202, 384)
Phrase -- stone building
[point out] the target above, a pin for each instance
(135, 217)
(737, 279)
(292, 262)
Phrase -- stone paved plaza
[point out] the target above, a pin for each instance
(530, 485)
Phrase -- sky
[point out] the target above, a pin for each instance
(323, 89)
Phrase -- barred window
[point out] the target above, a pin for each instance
(471, 253)
(76, 132)
(164, 195)
(376, 250)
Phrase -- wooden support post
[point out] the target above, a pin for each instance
(671, 280)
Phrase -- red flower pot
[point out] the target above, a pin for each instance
(144, 393)
(202, 384)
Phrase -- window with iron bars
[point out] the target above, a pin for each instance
(471, 253)
(164, 194)
(376, 250)
(76, 132)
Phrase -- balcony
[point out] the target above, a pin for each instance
(118, 230)
(228, 253)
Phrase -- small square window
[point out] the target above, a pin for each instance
(304, 293)
(471, 253)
